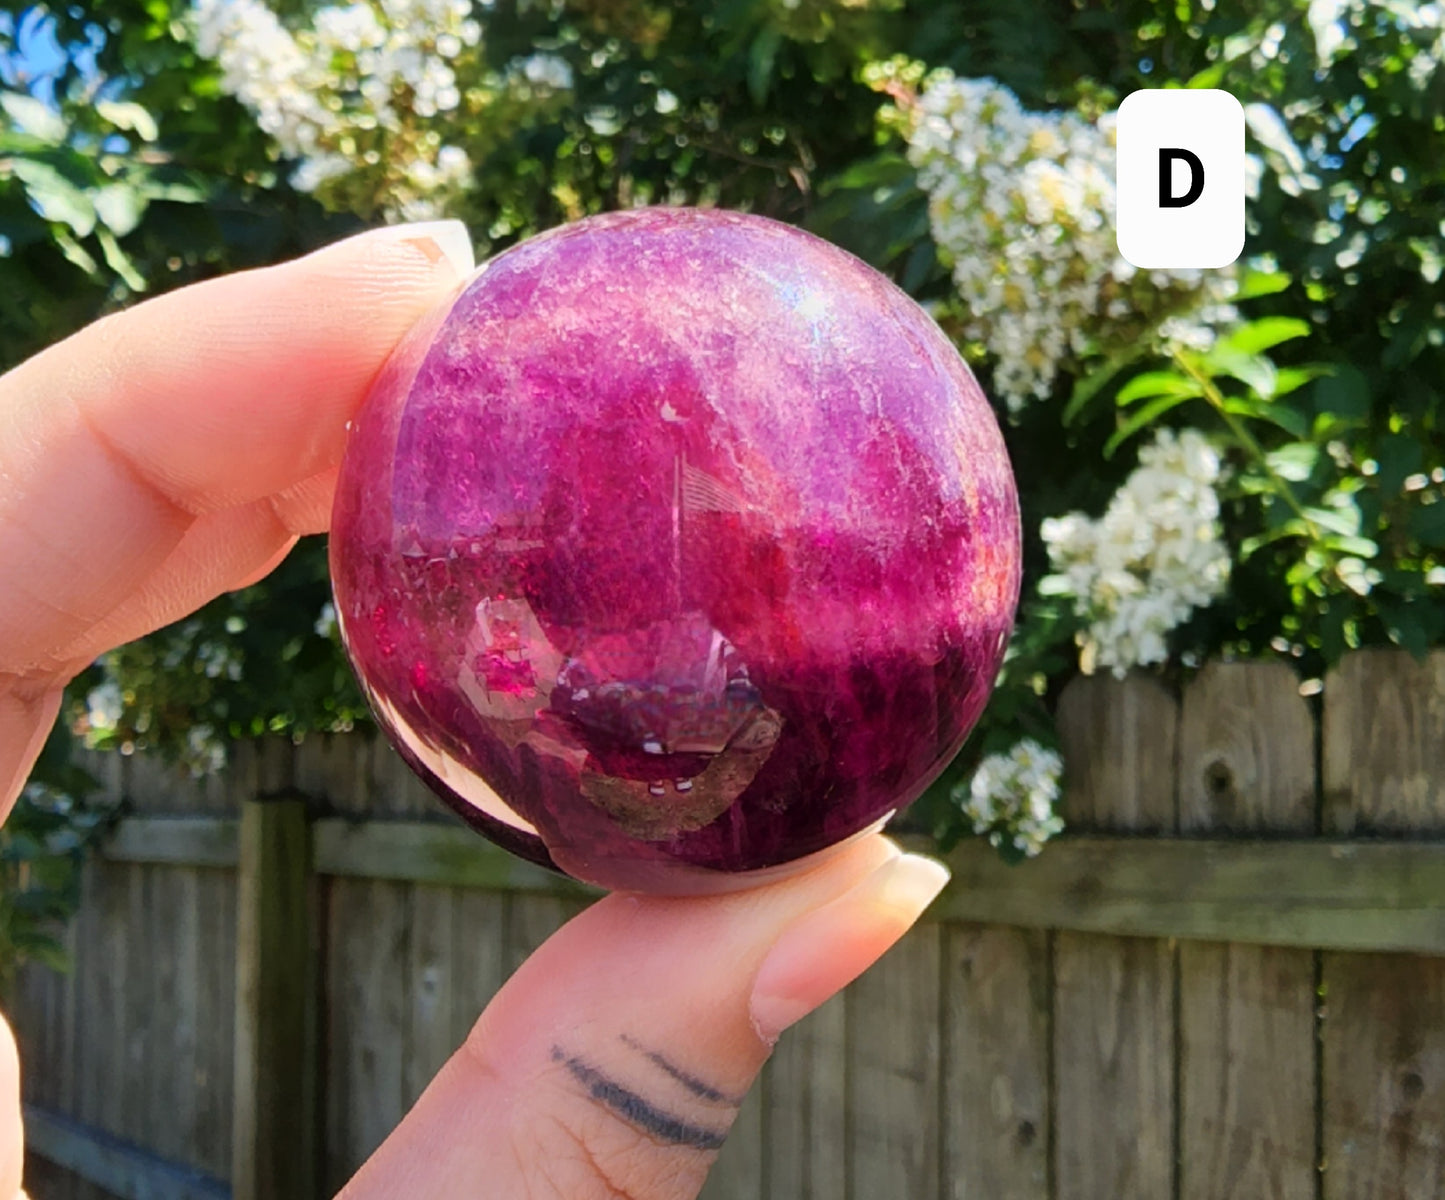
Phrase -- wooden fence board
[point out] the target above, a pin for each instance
(275, 1085)
(429, 1034)
(1019, 1050)
(1384, 726)
(1120, 738)
(1342, 895)
(1247, 1065)
(212, 1094)
(1315, 893)
(431, 852)
(1384, 1030)
(738, 1172)
(367, 1014)
(806, 1088)
(1114, 1018)
(205, 841)
(893, 1071)
(1384, 1076)
(996, 1068)
(479, 957)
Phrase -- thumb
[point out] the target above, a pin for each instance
(613, 1063)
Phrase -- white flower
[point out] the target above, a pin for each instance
(547, 70)
(1012, 796)
(329, 94)
(1156, 554)
(103, 706)
(326, 623)
(1022, 206)
(205, 752)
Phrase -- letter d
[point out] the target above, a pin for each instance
(1167, 158)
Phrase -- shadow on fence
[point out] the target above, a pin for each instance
(1227, 981)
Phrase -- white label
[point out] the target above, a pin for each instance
(1180, 181)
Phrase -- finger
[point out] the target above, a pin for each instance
(134, 453)
(613, 1063)
(12, 1141)
(176, 450)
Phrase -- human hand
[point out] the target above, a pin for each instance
(175, 451)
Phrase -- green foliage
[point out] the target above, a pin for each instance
(42, 846)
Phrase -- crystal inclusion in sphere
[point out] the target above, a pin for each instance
(678, 546)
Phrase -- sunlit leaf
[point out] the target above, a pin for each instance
(1158, 383)
(119, 261)
(35, 117)
(119, 207)
(1261, 335)
(1294, 462)
(130, 117)
(1141, 419)
(55, 197)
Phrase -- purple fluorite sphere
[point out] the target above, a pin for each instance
(679, 545)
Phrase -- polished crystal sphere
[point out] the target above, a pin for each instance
(676, 548)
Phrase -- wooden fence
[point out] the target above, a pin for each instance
(1228, 981)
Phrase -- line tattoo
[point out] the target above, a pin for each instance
(698, 1087)
(636, 1111)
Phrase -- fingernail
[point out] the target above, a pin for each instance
(438, 240)
(830, 947)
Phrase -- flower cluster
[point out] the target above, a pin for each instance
(1333, 21)
(354, 90)
(1011, 797)
(1156, 555)
(1022, 207)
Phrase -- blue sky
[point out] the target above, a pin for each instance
(32, 58)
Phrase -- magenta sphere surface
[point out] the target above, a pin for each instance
(679, 544)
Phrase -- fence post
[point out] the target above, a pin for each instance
(273, 1154)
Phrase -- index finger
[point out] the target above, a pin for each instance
(202, 423)
(175, 450)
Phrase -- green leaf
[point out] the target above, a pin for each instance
(1294, 527)
(1399, 456)
(35, 117)
(55, 197)
(49, 953)
(1291, 420)
(1255, 283)
(21, 847)
(1294, 462)
(119, 261)
(1427, 523)
(180, 193)
(1345, 544)
(1261, 335)
(1210, 77)
(1343, 521)
(762, 54)
(1141, 419)
(1345, 392)
(1332, 627)
(1407, 626)
(1253, 370)
(132, 117)
(119, 207)
(1158, 383)
(77, 254)
(1089, 386)
(1290, 379)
